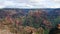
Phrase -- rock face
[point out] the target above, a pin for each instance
(5, 32)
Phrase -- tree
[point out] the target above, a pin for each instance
(56, 21)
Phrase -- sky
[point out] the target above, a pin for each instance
(29, 3)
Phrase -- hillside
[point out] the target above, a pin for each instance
(30, 18)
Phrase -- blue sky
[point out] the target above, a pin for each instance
(29, 3)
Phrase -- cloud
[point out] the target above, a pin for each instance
(29, 4)
(13, 4)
